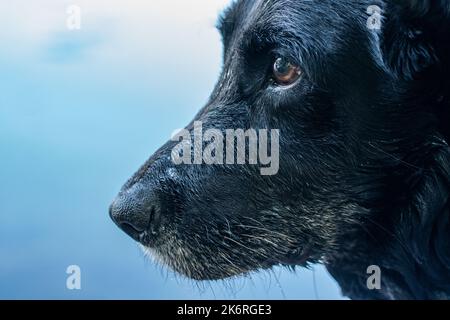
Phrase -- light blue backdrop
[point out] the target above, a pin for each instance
(80, 111)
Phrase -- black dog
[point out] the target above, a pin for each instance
(362, 103)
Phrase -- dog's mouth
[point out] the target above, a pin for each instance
(190, 261)
(220, 272)
(230, 242)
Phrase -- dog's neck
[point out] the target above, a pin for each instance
(412, 237)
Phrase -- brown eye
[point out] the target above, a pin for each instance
(285, 72)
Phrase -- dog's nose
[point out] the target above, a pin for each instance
(136, 213)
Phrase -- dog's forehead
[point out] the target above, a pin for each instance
(249, 10)
(256, 9)
(320, 24)
(242, 13)
(306, 15)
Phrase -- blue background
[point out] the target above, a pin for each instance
(80, 111)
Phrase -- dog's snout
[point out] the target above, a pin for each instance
(137, 213)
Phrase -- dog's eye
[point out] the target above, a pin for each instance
(285, 72)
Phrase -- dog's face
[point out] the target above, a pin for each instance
(312, 70)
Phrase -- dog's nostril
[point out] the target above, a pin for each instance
(130, 230)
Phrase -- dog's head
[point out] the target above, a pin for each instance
(315, 91)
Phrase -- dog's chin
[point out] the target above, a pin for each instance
(193, 270)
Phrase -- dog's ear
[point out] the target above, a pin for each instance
(416, 36)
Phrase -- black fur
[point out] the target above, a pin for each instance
(364, 173)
